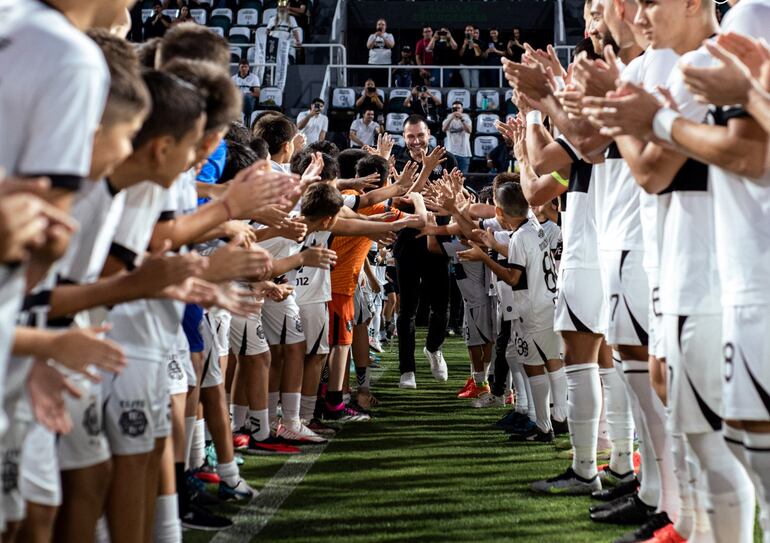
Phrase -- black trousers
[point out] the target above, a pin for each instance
(501, 363)
(421, 275)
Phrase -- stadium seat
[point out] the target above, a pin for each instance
(271, 98)
(463, 95)
(396, 100)
(343, 98)
(510, 107)
(268, 14)
(398, 139)
(432, 141)
(493, 100)
(251, 55)
(221, 22)
(240, 34)
(207, 2)
(482, 145)
(485, 123)
(248, 17)
(223, 12)
(437, 93)
(146, 13)
(173, 13)
(199, 15)
(394, 122)
(236, 53)
(218, 30)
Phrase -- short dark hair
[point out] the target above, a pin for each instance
(176, 107)
(318, 100)
(238, 133)
(276, 130)
(373, 164)
(321, 200)
(224, 102)
(503, 178)
(195, 42)
(147, 52)
(239, 157)
(325, 146)
(457, 102)
(115, 49)
(348, 160)
(415, 119)
(259, 146)
(301, 161)
(244, 60)
(367, 110)
(486, 195)
(510, 198)
(586, 45)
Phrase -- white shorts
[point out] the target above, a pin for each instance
(518, 346)
(315, 321)
(220, 320)
(247, 336)
(540, 346)
(211, 375)
(40, 480)
(12, 505)
(627, 297)
(580, 302)
(746, 353)
(362, 304)
(175, 373)
(694, 359)
(479, 325)
(656, 332)
(136, 406)
(282, 322)
(86, 445)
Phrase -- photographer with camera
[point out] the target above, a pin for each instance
(380, 44)
(370, 99)
(470, 55)
(495, 50)
(423, 103)
(458, 127)
(444, 49)
(312, 123)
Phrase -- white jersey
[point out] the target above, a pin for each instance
(553, 235)
(578, 230)
(48, 125)
(534, 295)
(742, 207)
(278, 248)
(313, 285)
(689, 282)
(498, 288)
(473, 278)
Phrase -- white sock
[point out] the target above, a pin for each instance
(272, 405)
(531, 412)
(290, 408)
(685, 478)
(558, 380)
(509, 381)
(519, 380)
(734, 440)
(167, 526)
(602, 437)
(197, 451)
(479, 377)
(229, 473)
(584, 399)
(307, 407)
(540, 398)
(189, 430)
(728, 491)
(620, 422)
(757, 447)
(374, 326)
(259, 424)
(102, 530)
(239, 414)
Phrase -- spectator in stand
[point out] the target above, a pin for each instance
(300, 10)
(364, 131)
(424, 57)
(156, 24)
(494, 51)
(184, 15)
(404, 77)
(423, 103)
(500, 159)
(283, 25)
(369, 99)
(444, 49)
(380, 44)
(313, 123)
(515, 48)
(458, 128)
(470, 55)
(249, 85)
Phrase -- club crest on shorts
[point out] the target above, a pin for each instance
(260, 332)
(174, 370)
(133, 422)
(298, 324)
(91, 421)
(11, 471)
(349, 326)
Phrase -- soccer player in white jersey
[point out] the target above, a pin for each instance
(692, 310)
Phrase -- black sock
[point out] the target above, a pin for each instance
(361, 376)
(183, 498)
(334, 397)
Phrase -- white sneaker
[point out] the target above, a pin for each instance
(437, 364)
(299, 433)
(488, 400)
(407, 380)
(375, 345)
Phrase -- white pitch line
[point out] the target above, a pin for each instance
(253, 518)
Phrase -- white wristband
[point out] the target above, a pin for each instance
(534, 117)
(560, 84)
(663, 123)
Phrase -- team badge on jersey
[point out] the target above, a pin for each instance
(91, 421)
(133, 422)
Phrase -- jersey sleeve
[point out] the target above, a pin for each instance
(451, 247)
(134, 231)
(689, 107)
(517, 252)
(69, 108)
(351, 200)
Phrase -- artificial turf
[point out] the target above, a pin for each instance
(428, 467)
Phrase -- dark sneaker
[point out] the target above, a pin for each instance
(196, 490)
(198, 518)
(614, 504)
(526, 425)
(560, 428)
(241, 492)
(623, 489)
(322, 429)
(568, 483)
(271, 445)
(346, 414)
(647, 530)
(630, 511)
(534, 435)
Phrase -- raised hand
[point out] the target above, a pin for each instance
(47, 386)
(79, 348)
(237, 300)
(474, 254)
(234, 262)
(158, 270)
(294, 229)
(408, 175)
(318, 257)
(629, 111)
(272, 216)
(533, 81)
(384, 145)
(252, 188)
(434, 158)
(312, 173)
